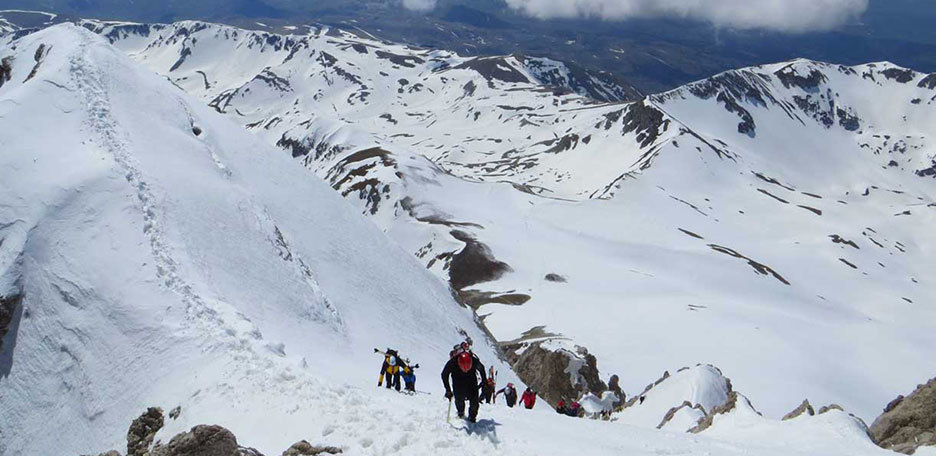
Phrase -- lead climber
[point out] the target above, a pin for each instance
(464, 368)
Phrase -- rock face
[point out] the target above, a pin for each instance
(826, 408)
(8, 306)
(303, 448)
(142, 430)
(908, 422)
(203, 440)
(805, 407)
(615, 387)
(728, 406)
(556, 375)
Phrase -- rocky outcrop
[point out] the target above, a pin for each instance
(8, 305)
(41, 52)
(830, 407)
(556, 375)
(805, 407)
(143, 430)
(728, 406)
(203, 440)
(474, 264)
(303, 448)
(615, 387)
(908, 422)
(672, 412)
(6, 69)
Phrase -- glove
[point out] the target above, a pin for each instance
(448, 395)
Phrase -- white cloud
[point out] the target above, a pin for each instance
(419, 5)
(780, 15)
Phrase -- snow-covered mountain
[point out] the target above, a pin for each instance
(773, 221)
(155, 253)
(158, 255)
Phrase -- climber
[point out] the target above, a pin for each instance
(390, 368)
(529, 398)
(459, 348)
(561, 408)
(464, 369)
(510, 394)
(487, 389)
(408, 372)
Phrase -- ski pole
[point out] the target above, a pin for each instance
(448, 416)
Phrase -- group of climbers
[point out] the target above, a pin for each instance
(394, 369)
(464, 378)
(572, 409)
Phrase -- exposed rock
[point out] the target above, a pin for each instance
(728, 406)
(552, 277)
(556, 375)
(672, 412)
(900, 75)
(908, 422)
(647, 121)
(109, 453)
(475, 299)
(494, 68)
(41, 52)
(174, 413)
(142, 430)
(6, 69)
(204, 440)
(615, 387)
(474, 264)
(830, 407)
(929, 82)
(805, 407)
(759, 267)
(8, 305)
(303, 448)
(894, 403)
(790, 78)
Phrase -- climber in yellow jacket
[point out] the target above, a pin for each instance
(390, 368)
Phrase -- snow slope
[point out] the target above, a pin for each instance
(166, 256)
(773, 221)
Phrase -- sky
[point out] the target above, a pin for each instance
(775, 15)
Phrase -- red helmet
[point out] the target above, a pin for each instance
(464, 362)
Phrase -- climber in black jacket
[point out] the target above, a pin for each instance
(464, 369)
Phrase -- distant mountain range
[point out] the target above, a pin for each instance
(655, 55)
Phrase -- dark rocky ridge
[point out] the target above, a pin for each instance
(474, 264)
(8, 308)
